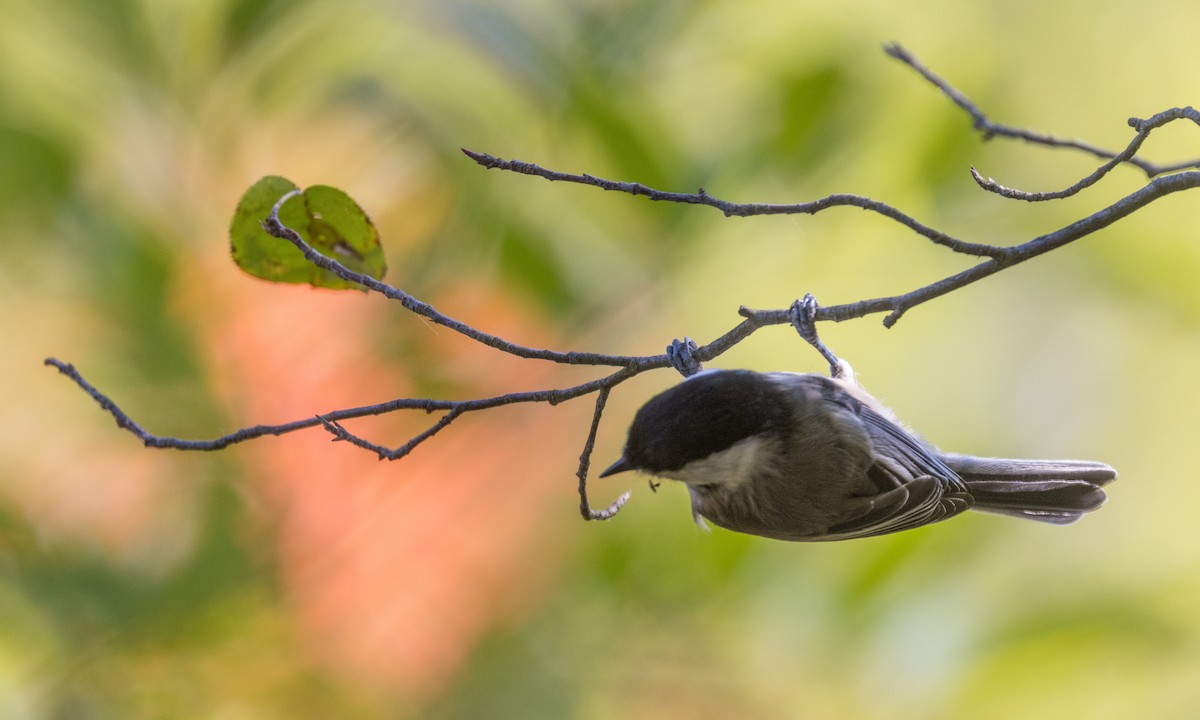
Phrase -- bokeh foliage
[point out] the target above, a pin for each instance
(142, 584)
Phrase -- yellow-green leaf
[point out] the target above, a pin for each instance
(328, 220)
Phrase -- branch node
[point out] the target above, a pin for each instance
(893, 317)
(334, 428)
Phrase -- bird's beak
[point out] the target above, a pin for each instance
(619, 466)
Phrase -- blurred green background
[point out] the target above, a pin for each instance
(294, 578)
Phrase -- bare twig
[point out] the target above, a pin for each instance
(274, 227)
(1000, 257)
(455, 407)
(1143, 128)
(733, 209)
(990, 128)
(340, 433)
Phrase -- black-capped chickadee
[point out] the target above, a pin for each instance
(807, 457)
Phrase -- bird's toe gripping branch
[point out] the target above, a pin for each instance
(804, 318)
(682, 354)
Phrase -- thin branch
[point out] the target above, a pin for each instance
(340, 433)
(733, 209)
(457, 407)
(274, 227)
(897, 305)
(990, 128)
(585, 461)
(1143, 127)
(1000, 257)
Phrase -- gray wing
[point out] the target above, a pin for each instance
(915, 486)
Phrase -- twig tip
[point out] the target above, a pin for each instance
(896, 50)
(482, 158)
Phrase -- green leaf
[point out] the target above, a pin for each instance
(328, 220)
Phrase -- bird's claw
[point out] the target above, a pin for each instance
(804, 318)
(682, 355)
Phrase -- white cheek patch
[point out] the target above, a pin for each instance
(730, 467)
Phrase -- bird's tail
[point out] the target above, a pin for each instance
(1052, 491)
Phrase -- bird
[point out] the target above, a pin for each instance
(806, 457)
